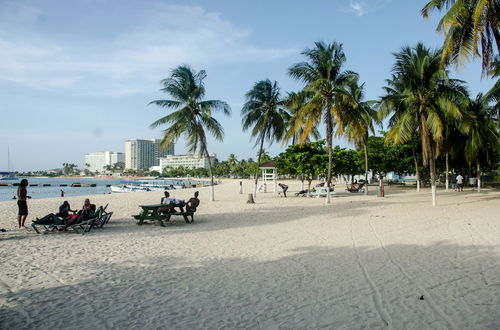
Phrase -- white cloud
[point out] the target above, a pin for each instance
(361, 8)
(123, 63)
(356, 7)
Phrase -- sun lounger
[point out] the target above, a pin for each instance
(96, 222)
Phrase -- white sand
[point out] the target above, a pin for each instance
(294, 263)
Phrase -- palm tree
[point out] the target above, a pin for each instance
(191, 116)
(403, 123)
(359, 116)
(295, 130)
(262, 111)
(493, 95)
(468, 24)
(323, 78)
(426, 95)
(483, 138)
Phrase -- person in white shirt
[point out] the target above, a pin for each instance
(460, 182)
(177, 202)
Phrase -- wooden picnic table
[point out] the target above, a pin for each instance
(161, 212)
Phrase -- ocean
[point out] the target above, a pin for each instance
(54, 190)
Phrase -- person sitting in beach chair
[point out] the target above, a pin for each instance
(87, 212)
(355, 187)
(168, 201)
(56, 219)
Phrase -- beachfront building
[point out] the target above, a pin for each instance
(97, 161)
(186, 161)
(142, 154)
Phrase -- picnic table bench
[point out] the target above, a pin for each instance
(322, 191)
(161, 212)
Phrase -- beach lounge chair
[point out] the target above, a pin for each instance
(101, 217)
(355, 188)
(49, 223)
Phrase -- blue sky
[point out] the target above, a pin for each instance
(76, 76)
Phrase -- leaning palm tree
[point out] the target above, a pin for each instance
(483, 138)
(359, 117)
(427, 95)
(263, 111)
(468, 25)
(323, 76)
(295, 132)
(191, 115)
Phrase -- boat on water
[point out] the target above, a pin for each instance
(153, 185)
(8, 176)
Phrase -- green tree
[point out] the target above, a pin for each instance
(426, 93)
(262, 111)
(191, 116)
(306, 160)
(323, 76)
(468, 25)
(346, 162)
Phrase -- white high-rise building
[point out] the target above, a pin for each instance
(142, 154)
(187, 161)
(97, 161)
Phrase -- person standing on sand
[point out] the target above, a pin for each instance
(22, 195)
(460, 182)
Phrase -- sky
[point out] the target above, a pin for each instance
(77, 76)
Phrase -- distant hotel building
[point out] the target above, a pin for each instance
(143, 154)
(186, 161)
(96, 161)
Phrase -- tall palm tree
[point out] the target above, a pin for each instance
(427, 94)
(295, 132)
(468, 25)
(191, 115)
(483, 138)
(359, 117)
(263, 111)
(323, 76)
(403, 123)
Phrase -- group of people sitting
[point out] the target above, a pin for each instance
(63, 216)
(190, 205)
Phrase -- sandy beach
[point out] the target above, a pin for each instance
(283, 263)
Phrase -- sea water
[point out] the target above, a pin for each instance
(54, 190)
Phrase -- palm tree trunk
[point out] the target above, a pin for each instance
(478, 176)
(329, 129)
(447, 170)
(257, 167)
(210, 172)
(416, 166)
(366, 168)
(432, 162)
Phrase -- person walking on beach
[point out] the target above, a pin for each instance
(22, 195)
(460, 182)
